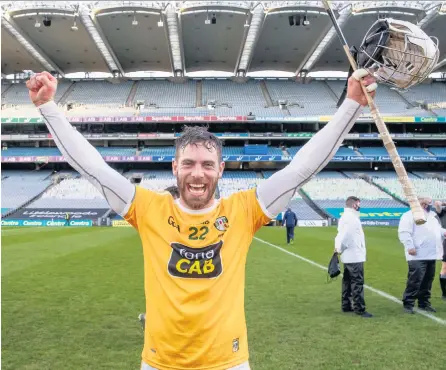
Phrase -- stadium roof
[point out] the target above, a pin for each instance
(182, 37)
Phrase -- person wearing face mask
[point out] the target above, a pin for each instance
(420, 244)
(350, 243)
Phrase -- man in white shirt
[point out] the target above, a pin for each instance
(420, 244)
(350, 243)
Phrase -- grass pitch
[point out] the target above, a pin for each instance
(71, 297)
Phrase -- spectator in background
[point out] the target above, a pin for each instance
(440, 208)
(350, 243)
(279, 219)
(67, 219)
(420, 243)
(290, 221)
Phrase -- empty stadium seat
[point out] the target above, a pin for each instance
(433, 188)
(166, 94)
(100, 92)
(332, 193)
(25, 151)
(116, 151)
(158, 150)
(71, 193)
(18, 187)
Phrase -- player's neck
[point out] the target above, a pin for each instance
(209, 207)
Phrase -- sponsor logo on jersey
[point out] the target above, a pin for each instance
(221, 223)
(235, 345)
(171, 221)
(195, 263)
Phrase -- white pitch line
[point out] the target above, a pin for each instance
(377, 291)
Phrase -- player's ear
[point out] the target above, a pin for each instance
(221, 169)
(174, 167)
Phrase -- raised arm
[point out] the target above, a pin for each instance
(79, 153)
(274, 193)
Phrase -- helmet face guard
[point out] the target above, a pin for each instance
(399, 53)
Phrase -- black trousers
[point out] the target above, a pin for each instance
(289, 233)
(444, 251)
(353, 287)
(419, 283)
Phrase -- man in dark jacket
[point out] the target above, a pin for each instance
(290, 221)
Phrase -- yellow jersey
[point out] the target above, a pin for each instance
(194, 279)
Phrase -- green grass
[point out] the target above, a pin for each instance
(70, 300)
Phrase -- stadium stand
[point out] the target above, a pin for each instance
(71, 193)
(434, 188)
(158, 180)
(163, 97)
(166, 94)
(19, 187)
(303, 99)
(25, 151)
(100, 92)
(438, 151)
(381, 174)
(120, 151)
(332, 193)
(158, 150)
(232, 182)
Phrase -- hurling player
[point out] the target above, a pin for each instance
(195, 247)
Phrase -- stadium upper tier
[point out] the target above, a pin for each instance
(228, 98)
(332, 193)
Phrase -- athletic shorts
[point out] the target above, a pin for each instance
(244, 366)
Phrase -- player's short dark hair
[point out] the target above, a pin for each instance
(193, 135)
(173, 190)
(351, 200)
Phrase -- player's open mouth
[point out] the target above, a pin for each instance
(196, 189)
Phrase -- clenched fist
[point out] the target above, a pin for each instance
(354, 90)
(42, 88)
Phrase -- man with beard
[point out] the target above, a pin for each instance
(195, 247)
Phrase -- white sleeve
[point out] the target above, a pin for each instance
(405, 231)
(275, 192)
(84, 158)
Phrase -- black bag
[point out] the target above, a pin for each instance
(334, 268)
